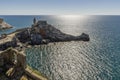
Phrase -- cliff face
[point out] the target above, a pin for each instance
(8, 44)
(4, 25)
(55, 35)
(39, 33)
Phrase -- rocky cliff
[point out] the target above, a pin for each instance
(41, 31)
(8, 41)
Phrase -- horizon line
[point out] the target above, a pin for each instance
(59, 14)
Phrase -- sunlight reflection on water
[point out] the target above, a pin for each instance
(98, 59)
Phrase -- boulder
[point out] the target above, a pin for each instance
(6, 45)
(24, 35)
(84, 37)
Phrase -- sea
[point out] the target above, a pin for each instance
(97, 59)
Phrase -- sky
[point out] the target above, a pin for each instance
(59, 7)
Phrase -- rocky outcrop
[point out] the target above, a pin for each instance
(39, 33)
(55, 35)
(36, 39)
(4, 25)
(27, 36)
(12, 43)
(42, 32)
(24, 35)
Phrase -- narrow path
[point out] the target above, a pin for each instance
(8, 38)
(33, 75)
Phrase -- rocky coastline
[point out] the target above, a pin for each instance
(42, 32)
(4, 25)
(39, 33)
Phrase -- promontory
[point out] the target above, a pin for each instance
(13, 63)
(39, 33)
(4, 25)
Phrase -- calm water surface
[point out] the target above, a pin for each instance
(98, 59)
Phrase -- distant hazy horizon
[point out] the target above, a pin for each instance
(59, 7)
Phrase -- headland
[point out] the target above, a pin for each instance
(12, 47)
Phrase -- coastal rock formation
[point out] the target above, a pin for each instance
(4, 25)
(55, 35)
(5, 45)
(41, 31)
(36, 38)
(27, 36)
